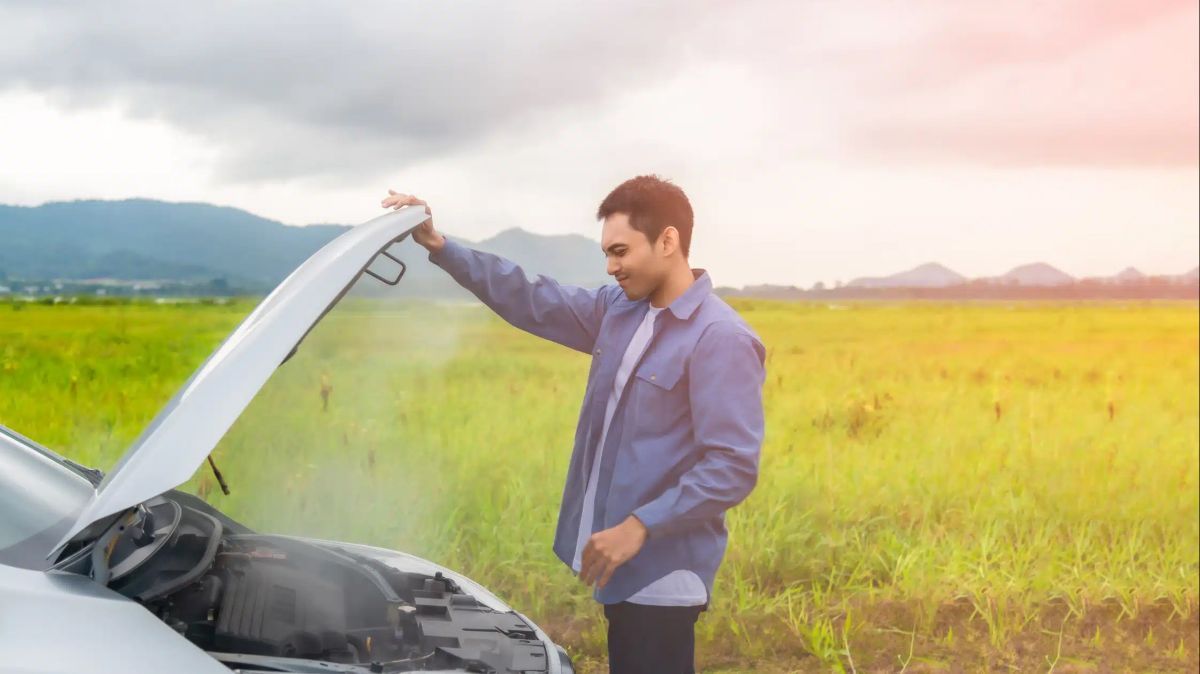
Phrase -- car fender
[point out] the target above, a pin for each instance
(52, 623)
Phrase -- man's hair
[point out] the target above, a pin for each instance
(652, 204)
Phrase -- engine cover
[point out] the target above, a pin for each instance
(273, 609)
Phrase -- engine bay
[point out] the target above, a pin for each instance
(274, 603)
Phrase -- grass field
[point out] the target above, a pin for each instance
(944, 487)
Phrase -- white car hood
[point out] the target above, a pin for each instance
(187, 429)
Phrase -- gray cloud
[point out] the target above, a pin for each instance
(287, 87)
(341, 91)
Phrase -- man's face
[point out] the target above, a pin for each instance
(638, 265)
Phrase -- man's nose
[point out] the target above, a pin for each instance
(613, 268)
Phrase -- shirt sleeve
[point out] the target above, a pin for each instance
(725, 382)
(566, 314)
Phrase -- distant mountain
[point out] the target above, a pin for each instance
(203, 248)
(1036, 274)
(928, 275)
(569, 258)
(1128, 274)
(142, 239)
(145, 239)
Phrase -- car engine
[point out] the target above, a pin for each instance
(260, 602)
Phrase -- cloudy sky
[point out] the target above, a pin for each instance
(817, 140)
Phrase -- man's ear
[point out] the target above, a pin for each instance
(669, 240)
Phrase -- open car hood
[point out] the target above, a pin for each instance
(187, 429)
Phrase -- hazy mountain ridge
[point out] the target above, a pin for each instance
(227, 249)
(147, 240)
(1037, 274)
(928, 275)
(157, 240)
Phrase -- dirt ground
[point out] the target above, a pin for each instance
(955, 639)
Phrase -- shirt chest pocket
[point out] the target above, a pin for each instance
(660, 395)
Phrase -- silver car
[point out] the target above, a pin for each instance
(123, 573)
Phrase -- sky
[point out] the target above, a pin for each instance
(817, 141)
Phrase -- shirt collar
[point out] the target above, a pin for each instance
(685, 305)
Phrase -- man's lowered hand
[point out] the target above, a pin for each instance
(608, 549)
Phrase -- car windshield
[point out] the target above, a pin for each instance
(39, 499)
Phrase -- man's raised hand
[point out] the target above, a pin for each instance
(425, 235)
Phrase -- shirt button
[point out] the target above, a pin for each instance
(597, 352)
(651, 377)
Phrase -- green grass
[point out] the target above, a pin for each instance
(944, 487)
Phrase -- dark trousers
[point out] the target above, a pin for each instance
(646, 639)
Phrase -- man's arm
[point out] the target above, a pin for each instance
(569, 315)
(725, 388)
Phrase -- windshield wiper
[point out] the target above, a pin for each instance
(94, 475)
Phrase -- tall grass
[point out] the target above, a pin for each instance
(1022, 465)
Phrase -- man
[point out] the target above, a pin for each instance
(671, 423)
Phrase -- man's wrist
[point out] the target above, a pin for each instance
(436, 246)
(634, 522)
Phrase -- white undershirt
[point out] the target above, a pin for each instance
(680, 587)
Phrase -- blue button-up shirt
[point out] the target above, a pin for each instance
(683, 444)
